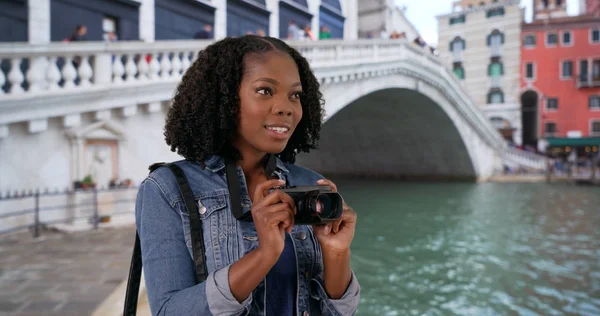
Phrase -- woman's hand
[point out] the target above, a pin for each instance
(273, 214)
(336, 236)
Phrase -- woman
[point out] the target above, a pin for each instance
(245, 99)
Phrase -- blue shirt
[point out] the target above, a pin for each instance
(163, 226)
(281, 282)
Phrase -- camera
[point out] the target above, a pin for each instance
(315, 205)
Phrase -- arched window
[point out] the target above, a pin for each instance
(457, 44)
(495, 38)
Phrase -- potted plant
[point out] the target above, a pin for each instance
(88, 182)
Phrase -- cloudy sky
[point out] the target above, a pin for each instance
(422, 14)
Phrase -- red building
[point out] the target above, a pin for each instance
(591, 7)
(560, 82)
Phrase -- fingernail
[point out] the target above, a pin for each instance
(320, 181)
(327, 229)
(281, 181)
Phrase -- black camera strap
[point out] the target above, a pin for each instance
(233, 184)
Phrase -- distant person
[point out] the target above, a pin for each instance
(205, 33)
(254, 118)
(293, 31)
(78, 35)
(325, 33)
(261, 33)
(309, 33)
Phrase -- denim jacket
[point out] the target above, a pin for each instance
(163, 226)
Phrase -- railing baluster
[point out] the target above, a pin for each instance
(2, 80)
(130, 68)
(165, 66)
(69, 73)
(35, 74)
(85, 72)
(143, 68)
(154, 67)
(176, 65)
(118, 69)
(15, 76)
(53, 74)
(185, 62)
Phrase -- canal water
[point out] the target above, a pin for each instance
(476, 249)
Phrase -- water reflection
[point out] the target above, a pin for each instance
(476, 249)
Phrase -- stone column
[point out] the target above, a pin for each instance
(314, 6)
(146, 25)
(220, 27)
(39, 21)
(273, 6)
(350, 11)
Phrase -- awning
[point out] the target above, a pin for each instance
(573, 142)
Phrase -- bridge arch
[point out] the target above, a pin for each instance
(396, 126)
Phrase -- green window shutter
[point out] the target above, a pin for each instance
(502, 37)
(489, 40)
(502, 69)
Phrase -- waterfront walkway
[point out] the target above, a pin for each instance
(62, 273)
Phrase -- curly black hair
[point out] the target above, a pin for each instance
(203, 119)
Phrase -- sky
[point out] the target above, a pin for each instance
(422, 13)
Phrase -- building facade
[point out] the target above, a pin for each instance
(481, 44)
(591, 7)
(43, 21)
(561, 80)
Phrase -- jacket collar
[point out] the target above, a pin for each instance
(215, 163)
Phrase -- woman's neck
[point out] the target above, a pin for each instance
(253, 166)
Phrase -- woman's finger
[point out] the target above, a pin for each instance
(328, 183)
(278, 196)
(262, 188)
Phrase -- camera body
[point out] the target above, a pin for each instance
(315, 205)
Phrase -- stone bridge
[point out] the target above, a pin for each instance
(393, 110)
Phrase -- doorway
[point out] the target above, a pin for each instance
(529, 124)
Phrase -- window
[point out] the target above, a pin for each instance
(567, 69)
(496, 69)
(458, 70)
(595, 36)
(595, 102)
(458, 19)
(529, 71)
(457, 45)
(583, 70)
(550, 128)
(551, 39)
(595, 128)
(566, 38)
(529, 40)
(495, 12)
(552, 104)
(495, 97)
(545, 2)
(558, 3)
(496, 38)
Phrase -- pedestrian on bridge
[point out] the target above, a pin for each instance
(253, 101)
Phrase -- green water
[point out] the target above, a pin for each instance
(476, 249)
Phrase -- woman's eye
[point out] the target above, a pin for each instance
(265, 91)
(297, 95)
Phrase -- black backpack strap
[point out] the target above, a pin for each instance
(135, 268)
(195, 224)
(133, 282)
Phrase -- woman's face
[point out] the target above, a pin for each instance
(270, 106)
